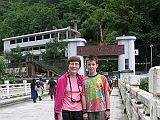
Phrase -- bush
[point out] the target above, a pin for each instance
(144, 84)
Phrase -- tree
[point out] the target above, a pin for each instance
(8, 56)
(22, 18)
(14, 56)
(2, 69)
(28, 57)
(17, 55)
(4, 6)
(3, 74)
(54, 50)
(117, 17)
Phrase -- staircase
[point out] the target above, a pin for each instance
(56, 66)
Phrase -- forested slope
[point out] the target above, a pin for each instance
(140, 18)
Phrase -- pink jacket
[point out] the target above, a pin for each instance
(60, 90)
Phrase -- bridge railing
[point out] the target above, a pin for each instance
(140, 104)
(8, 90)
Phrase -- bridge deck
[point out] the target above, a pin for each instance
(117, 110)
(43, 110)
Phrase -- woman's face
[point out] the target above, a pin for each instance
(74, 67)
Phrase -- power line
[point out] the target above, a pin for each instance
(148, 45)
(143, 63)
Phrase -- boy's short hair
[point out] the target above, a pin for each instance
(92, 57)
(74, 59)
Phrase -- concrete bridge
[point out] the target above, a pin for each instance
(128, 101)
(22, 108)
(16, 104)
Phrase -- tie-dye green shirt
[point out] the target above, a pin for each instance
(94, 90)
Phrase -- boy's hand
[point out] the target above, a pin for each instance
(85, 116)
(107, 115)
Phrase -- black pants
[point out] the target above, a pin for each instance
(72, 115)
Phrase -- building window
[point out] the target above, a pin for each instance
(39, 37)
(47, 36)
(35, 48)
(12, 42)
(23, 49)
(62, 36)
(42, 47)
(13, 50)
(30, 49)
(19, 40)
(54, 36)
(31, 38)
(25, 39)
(36, 57)
(126, 64)
(27, 49)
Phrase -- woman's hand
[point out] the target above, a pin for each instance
(60, 116)
(85, 116)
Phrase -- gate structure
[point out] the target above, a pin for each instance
(125, 52)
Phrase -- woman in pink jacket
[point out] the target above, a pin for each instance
(68, 104)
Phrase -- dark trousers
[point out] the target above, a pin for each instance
(72, 115)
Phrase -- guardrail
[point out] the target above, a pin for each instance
(140, 104)
(14, 90)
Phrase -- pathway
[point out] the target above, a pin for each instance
(117, 110)
(43, 110)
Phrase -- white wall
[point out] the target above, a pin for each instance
(129, 52)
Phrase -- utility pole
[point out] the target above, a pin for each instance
(151, 46)
(146, 64)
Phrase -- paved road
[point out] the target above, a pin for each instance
(42, 110)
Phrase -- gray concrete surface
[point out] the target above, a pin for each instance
(43, 110)
(117, 108)
(16, 100)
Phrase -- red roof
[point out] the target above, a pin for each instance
(100, 50)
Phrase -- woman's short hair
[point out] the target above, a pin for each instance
(74, 59)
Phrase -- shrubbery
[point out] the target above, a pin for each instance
(144, 84)
(3, 75)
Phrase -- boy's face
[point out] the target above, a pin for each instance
(91, 65)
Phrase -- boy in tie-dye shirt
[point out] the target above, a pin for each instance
(95, 93)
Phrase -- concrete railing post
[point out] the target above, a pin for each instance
(154, 88)
(7, 88)
(124, 79)
(25, 86)
(134, 82)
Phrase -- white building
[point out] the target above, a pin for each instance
(35, 43)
